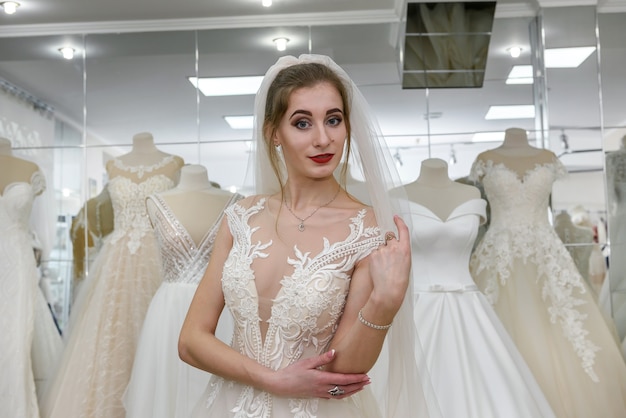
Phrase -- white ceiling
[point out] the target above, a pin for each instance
(139, 53)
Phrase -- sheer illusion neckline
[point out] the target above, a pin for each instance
(520, 177)
(453, 214)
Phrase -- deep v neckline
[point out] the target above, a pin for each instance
(452, 214)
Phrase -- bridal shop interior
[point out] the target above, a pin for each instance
(78, 82)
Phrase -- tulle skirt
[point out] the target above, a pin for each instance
(162, 385)
(103, 330)
(47, 346)
(558, 365)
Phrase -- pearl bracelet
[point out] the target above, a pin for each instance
(369, 324)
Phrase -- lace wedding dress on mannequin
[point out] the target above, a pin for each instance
(528, 275)
(106, 319)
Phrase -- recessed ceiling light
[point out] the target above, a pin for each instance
(266, 3)
(10, 7)
(227, 86)
(520, 74)
(240, 122)
(567, 57)
(488, 137)
(281, 43)
(511, 112)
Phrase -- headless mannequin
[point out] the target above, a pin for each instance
(574, 234)
(12, 168)
(517, 154)
(145, 154)
(195, 202)
(435, 190)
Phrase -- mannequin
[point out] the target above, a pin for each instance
(535, 287)
(161, 385)
(195, 202)
(12, 168)
(516, 153)
(112, 302)
(435, 190)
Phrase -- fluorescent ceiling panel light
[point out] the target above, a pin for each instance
(567, 57)
(520, 74)
(511, 112)
(227, 86)
(488, 137)
(240, 122)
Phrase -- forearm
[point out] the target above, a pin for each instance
(206, 352)
(358, 350)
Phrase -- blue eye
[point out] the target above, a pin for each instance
(302, 124)
(335, 120)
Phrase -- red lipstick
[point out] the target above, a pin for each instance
(322, 158)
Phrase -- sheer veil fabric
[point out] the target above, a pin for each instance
(400, 380)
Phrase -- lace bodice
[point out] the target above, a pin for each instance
(520, 229)
(129, 202)
(183, 261)
(16, 202)
(307, 308)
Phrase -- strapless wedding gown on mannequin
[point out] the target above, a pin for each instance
(530, 278)
(110, 308)
(162, 385)
(18, 298)
(476, 369)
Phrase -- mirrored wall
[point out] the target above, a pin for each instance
(72, 116)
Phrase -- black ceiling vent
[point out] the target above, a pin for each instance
(445, 44)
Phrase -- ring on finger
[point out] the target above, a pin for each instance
(336, 391)
(389, 236)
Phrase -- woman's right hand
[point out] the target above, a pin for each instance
(307, 379)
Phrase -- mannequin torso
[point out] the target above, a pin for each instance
(517, 154)
(12, 168)
(144, 154)
(434, 190)
(195, 202)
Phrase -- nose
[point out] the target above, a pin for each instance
(322, 138)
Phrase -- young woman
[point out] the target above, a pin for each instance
(312, 276)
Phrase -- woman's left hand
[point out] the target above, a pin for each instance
(390, 267)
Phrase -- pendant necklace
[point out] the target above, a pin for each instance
(301, 224)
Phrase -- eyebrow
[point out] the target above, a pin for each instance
(306, 112)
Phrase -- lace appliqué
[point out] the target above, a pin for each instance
(141, 170)
(528, 236)
(305, 312)
(38, 182)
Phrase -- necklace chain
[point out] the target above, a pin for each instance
(302, 220)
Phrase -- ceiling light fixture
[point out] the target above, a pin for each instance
(266, 3)
(240, 122)
(511, 112)
(567, 57)
(10, 7)
(520, 74)
(227, 86)
(281, 43)
(67, 52)
(515, 51)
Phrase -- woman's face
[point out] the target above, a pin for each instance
(312, 132)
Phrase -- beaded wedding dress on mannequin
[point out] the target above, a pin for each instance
(528, 275)
(111, 305)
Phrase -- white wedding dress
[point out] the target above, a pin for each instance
(304, 312)
(18, 299)
(475, 367)
(106, 318)
(544, 303)
(161, 384)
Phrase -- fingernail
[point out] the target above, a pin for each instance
(332, 352)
